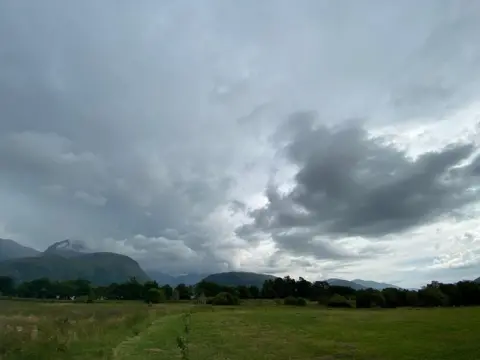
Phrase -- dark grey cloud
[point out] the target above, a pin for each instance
(350, 184)
(134, 126)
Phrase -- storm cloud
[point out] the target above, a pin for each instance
(313, 138)
(350, 184)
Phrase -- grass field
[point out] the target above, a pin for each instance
(31, 330)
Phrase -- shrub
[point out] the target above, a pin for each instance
(338, 301)
(290, 300)
(81, 299)
(225, 298)
(155, 296)
(301, 302)
(209, 300)
(293, 301)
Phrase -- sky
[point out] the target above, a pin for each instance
(311, 138)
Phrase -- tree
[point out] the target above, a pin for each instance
(91, 296)
(155, 296)
(411, 298)
(150, 285)
(244, 292)
(320, 292)
(268, 291)
(391, 296)
(303, 288)
(168, 291)
(432, 296)
(7, 286)
(184, 292)
(254, 291)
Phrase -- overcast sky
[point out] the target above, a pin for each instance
(312, 138)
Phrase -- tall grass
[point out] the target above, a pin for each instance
(65, 331)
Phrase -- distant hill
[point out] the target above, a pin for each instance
(346, 283)
(67, 260)
(236, 278)
(374, 284)
(163, 279)
(10, 249)
(477, 280)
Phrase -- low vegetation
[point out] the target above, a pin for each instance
(134, 331)
(37, 330)
(284, 319)
(463, 293)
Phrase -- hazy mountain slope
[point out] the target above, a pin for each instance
(99, 268)
(187, 279)
(10, 249)
(236, 278)
(477, 280)
(374, 284)
(346, 283)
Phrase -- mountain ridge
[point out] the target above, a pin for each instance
(167, 279)
(238, 278)
(10, 249)
(70, 260)
(346, 283)
(374, 284)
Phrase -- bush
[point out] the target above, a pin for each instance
(290, 300)
(225, 298)
(209, 300)
(293, 301)
(338, 301)
(301, 302)
(81, 299)
(155, 296)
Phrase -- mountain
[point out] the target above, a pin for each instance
(163, 279)
(99, 268)
(236, 278)
(374, 284)
(67, 248)
(346, 283)
(10, 249)
(477, 280)
(69, 260)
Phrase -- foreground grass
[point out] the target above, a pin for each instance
(134, 331)
(278, 333)
(35, 330)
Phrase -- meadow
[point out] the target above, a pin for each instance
(133, 330)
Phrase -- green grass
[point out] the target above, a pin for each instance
(135, 331)
(35, 330)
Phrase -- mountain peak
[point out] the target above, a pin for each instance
(68, 248)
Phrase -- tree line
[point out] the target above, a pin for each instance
(291, 291)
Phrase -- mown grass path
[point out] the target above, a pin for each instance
(281, 333)
(158, 341)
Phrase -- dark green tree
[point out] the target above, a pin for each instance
(7, 286)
